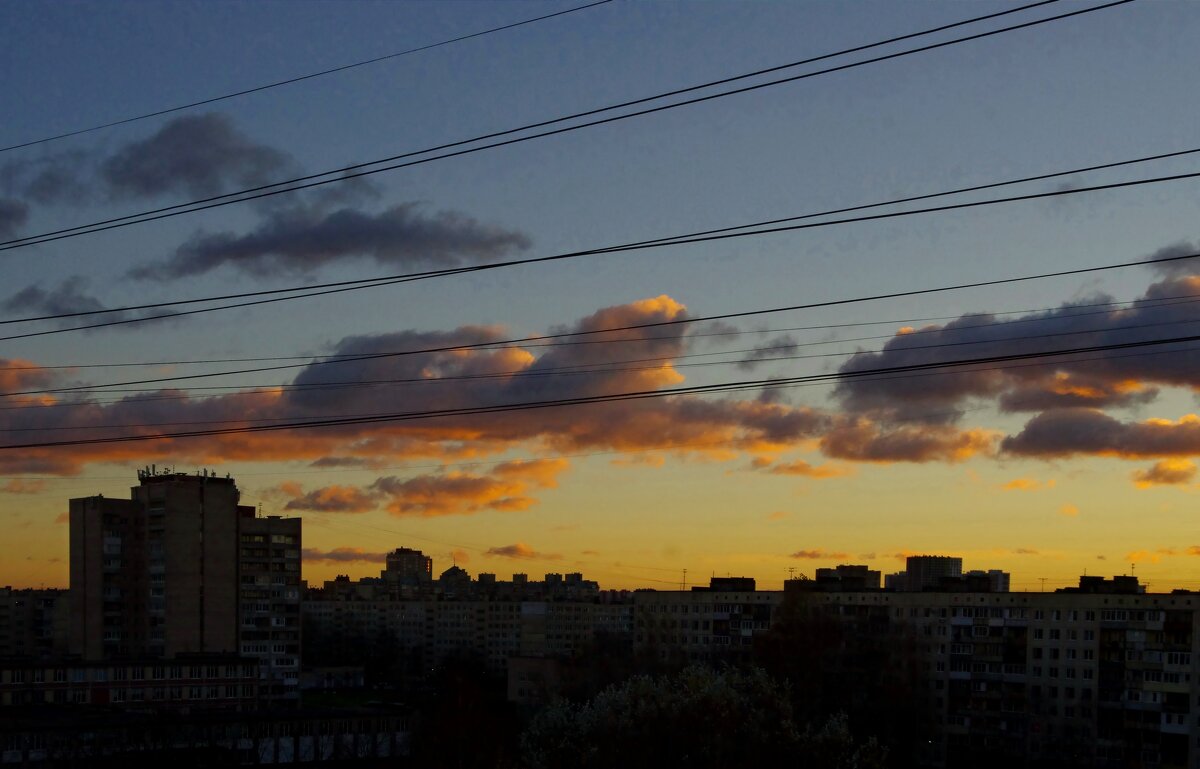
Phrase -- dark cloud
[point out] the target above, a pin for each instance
(69, 296)
(1180, 267)
(1068, 432)
(815, 555)
(521, 550)
(1117, 380)
(456, 493)
(342, 555)
(775, 347)
(63, 177)
(334, 499)
(13, 214)
(301, 239)
(861, 440)
(197, 155)
(681, 424)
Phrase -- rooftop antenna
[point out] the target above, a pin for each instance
(1043, 581)
(683, 584)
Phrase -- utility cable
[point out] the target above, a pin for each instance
(360, 170)
(733, 228)
(723, 387)
(298, 78)
(679, 242)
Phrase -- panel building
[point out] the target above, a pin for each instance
(181, 568)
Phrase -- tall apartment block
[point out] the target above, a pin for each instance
(181, 568)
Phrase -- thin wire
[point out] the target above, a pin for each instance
(682, 321)
(297, 79)
(767, 222)
(609, 367)
(735, 386)
(1164, 301)
(349, 172)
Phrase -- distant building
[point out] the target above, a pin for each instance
(847, 577)
(926, 572)
(408, 566)
(33, 623)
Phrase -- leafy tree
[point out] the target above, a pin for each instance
(699, 717)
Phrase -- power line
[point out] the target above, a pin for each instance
(298, 78)
(666, 239)
(611, 367)
(723, 387)
(360, 170)
(1162, 301)
(646, 245)
(657, 324)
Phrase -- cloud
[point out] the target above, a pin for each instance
(68, 297)
(342, 555)
(456, 493)
(511, 374)
(62, 177)
(802, 468)
(299, 239)
(197, 155)
(460, 556)
(13, 214)
(1027, 484)
(334, 499)
(862, 440)
(1026, 551)
(818, 555)
(775, 347)
(1074, 431)
(1165, 472)
(778, 515)
(63, 518)
(20, 486)
(1092, 381)
(521, 550)
(1069, 510)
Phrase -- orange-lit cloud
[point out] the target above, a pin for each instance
(818, 554)
(861, 440)
(342, 555)
(457, 493)
(334, 499)
(521, 550)
(1027, 484)
(19, 486)
(801, 468)
(1068, 510)
(460, 556)
(778, 515)
(1165, 472)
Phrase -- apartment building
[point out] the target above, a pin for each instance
(1105, 679)
(721, 620)
(181, 568)
(33, 623)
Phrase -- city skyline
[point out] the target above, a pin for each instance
(1044, 468)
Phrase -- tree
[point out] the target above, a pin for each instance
(699, 717)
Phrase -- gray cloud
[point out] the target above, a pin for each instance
(200, 155)
(784, 344)
(13, 214)
(342, 555)
(61, 177)
(1068, 432)
(300, 239)
(69, 296)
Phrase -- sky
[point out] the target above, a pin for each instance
(1048, 469)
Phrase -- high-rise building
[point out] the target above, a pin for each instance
(925, 572)
(181, 568)
(408, 566)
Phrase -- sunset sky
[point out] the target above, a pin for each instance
(1047, 469)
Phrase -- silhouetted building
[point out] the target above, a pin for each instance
(847, 577)
(181, 568)
(33, 623)
(925, 572)
(407, 566)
